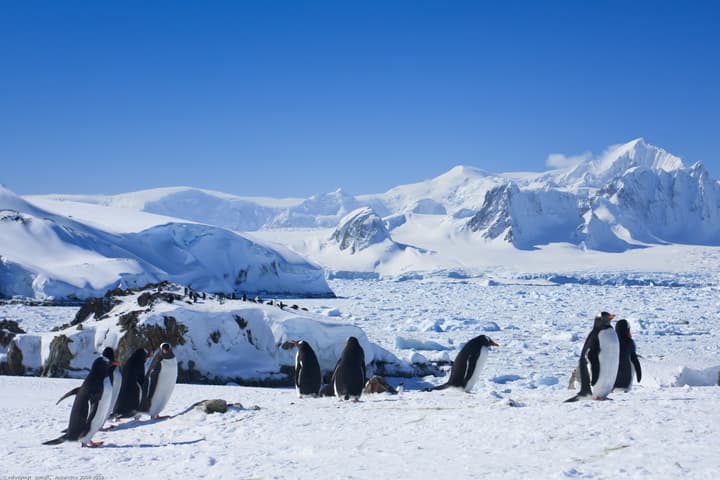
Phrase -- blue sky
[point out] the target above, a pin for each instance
(296, 98)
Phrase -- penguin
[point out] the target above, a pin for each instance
(465, 371)
(599, 360)
(307, 370)
(159, 382)
(348, 379)
(629, 364)
(90, 408)
(133, 378)
(115, 379)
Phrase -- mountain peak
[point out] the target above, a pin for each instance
(617, 159)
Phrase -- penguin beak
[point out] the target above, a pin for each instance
(149, 355)
(611, 316)
(494, 344)
(115, 363)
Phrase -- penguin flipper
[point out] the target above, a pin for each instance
(470, 367)
(72, 392)
(593, 357)
(56, 441)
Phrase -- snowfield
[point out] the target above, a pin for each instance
(515, 424)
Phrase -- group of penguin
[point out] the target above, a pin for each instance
(110, 392)
(608, 360)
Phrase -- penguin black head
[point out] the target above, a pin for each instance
(166, 351)
(352, 341)
(99, 368)
(623, 328)
(603, 320)
(109, 353)
(141, 353)
(487, 341)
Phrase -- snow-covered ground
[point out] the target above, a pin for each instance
(515, 425)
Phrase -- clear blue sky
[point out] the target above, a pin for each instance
(295, 98)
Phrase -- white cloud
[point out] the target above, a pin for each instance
(560, 160)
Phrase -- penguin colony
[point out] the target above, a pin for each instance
(608, 360)
(110, 392)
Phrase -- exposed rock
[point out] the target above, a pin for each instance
(58, 361)
(14, 364)
(216, 405)
(8, 330)
(96, 306)
(378, 384)
(148, 298)
(327, 390)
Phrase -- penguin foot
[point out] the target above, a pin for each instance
(106, 428)
(160, 417)
(92, 444)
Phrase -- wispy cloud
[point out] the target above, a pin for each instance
(560, 160)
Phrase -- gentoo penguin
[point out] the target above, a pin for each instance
(307, 370)
(90, 408)
(599, 359)
(465, 371)
(629, 362)
(115, 379)
(348, 379)
(133, 378)
(159, 381)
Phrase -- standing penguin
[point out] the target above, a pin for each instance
(159, 382)
(599, 360)
(133, 378)
(465, 371)
(90, 408)
(629, 363)
(307, 370)
(115, 379)
(348, 379)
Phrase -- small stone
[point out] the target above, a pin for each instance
(217, 405)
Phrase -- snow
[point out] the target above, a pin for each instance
(515, 424)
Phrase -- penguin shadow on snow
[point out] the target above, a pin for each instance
(156, 445)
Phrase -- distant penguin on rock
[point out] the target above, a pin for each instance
(159, 381)
(307, 370)
(133, 378)
(465, 371)
(599, 360)
(90, 408)
(348, 379)
(629, 365)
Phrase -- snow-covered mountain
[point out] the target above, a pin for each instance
(360, 229)
(43, 254)
(631, 196)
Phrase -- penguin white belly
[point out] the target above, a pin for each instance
(479, 364)
(116, 383)
(101, 413)
(609, 359)
(165, 386)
